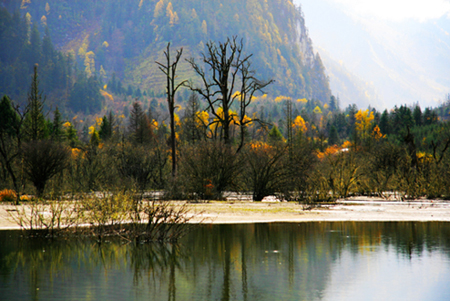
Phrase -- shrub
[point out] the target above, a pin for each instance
(209, 168)
(8, 195)
(43, 160)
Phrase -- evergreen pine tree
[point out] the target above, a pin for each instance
(384, 122)
(106, 128)
(275, 135)
(34, 123)
(334, 136)
(139, 128)
(57, 133)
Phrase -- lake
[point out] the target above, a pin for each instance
(305, 261)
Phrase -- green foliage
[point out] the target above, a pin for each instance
(85, 95)
(56, 131)
(334, 136)
(23, 48)
(140, 128)
(275, 135)
(90, 170)
(72, 136)
(106, 128)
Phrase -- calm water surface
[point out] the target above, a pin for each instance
(308, 261)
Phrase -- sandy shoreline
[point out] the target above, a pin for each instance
(351, 209)
(354, 209)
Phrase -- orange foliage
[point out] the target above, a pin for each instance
(209, 184)
(260, 146)
(331, 150)
(7, 195)
(25, 198)
(347, 144)
(106, 95)
(75, 153)
(424, 157)
(334, 149)
(377, 133)
(44, 20)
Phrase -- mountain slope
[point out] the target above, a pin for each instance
(124, 38)
(347, 86)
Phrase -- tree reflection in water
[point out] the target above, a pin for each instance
(42, 263)
(226, 262)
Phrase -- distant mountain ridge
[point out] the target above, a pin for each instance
(405, 62)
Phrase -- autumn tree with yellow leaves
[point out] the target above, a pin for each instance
(363, 124)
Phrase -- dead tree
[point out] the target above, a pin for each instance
(228, 69)
(169, 69)
(11, 123)
(249, 86)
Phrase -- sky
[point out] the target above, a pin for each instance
(399, 10)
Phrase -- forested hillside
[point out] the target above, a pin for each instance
(119, 40)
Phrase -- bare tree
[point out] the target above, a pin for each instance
(227, 68)
(266, 172)
(249, 86)
(11, 122)
(169, 69)
(43, 159)
(138, 163)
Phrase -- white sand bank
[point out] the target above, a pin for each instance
(352, 209)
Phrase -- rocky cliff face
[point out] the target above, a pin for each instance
(304, 41)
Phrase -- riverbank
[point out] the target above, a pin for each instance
(351, 209)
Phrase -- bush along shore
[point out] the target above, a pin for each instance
(125, 215)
